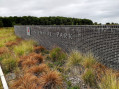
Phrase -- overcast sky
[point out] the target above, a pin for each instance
(97, 10)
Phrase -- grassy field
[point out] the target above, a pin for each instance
(35, 67)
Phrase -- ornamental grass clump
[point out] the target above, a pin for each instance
(51, 80)
(89, 77)
(57, 54)
(75, 58)
(89, 60)
(39, 70)
(39, 49)
(32, 56)
(38, 57)
(28, 81)
(100, 70)
(28, 63)
(109, 81)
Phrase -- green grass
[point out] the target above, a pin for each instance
(75, 58)
(6, 35)
(109, 81)
(57, 56)
(24, 48)
(9, 64)
(89, 77)
(10, 38)
(89, 60)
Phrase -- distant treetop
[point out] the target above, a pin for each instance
(52, 20)
(31, 20)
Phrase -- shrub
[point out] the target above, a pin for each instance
(51, 80)
(75, 58)
(57, 54)
(89, 61)
(89, 77)
(24, 48)
(9, 64)
(109, 81)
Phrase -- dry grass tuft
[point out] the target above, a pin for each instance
(89, 60)
(99, 70)
(19, 39)
(24, 58)
(37, 70)
(9, 44)
(28, 81)
(3, 50)
(28, 63)
(117, 74)
(39, 49)
(38, 57)
(51, 80)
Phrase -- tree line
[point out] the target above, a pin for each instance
(31, 20)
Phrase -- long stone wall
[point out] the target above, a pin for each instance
(102, 41)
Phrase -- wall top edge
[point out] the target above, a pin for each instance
(96, 26)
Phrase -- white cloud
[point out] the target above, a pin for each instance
(96, 10)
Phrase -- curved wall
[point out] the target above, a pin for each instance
(102, 41)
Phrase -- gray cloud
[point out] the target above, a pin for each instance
(96, 10)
